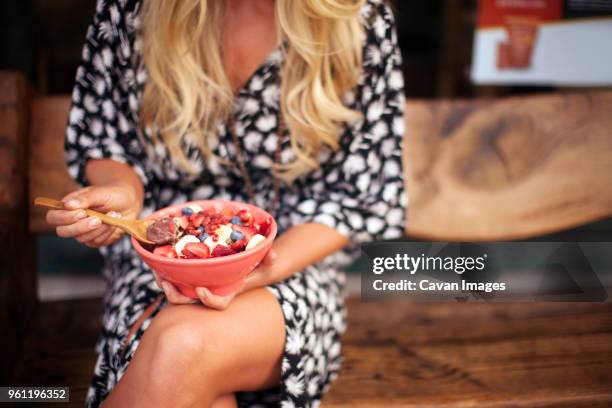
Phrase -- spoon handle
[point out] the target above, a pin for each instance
(58, 205)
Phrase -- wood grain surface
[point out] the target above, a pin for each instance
(475, 170)
(476, 355)
(17, 254)
(59, 349)
(509, 168)
(14, 104)
(48, 174)
(401, 354)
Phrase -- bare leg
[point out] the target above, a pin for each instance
(226, 401)
(192, 355)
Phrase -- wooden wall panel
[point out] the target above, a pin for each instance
(18, 255)
(508, 168)
(475, 170)
(48, 174)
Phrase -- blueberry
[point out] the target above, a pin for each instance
(186, 211)
(236, 235)
(203, 237)
(201, 229)
(235, 220)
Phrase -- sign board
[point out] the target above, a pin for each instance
(543, 42)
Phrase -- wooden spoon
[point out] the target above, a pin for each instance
(136, 228)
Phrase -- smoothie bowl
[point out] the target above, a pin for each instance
(210, 243)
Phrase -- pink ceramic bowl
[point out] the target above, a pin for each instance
(221, 275)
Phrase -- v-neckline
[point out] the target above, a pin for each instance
(243, 89)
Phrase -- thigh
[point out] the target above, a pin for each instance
(237, 349)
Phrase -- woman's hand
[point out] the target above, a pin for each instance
(207, 298)
(118, 200)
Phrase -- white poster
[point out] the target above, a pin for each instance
(543, 42)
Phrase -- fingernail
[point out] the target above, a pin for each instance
(201, 292)
(166, 287)
(114, 214)
(73, 203)
(80, 215)
(94, 222)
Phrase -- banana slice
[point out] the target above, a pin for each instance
(195, 208)
(254, 241)
(211, 244)
(223, 232)
(180, 244)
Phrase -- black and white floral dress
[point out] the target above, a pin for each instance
(358, 190)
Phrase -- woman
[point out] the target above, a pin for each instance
(294, 105)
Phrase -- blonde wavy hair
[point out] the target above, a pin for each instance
(187, 90)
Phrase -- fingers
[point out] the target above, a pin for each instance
(73, 220)
(173, 295)
(270, 257)
(158, 281)
(78, 228)
(75, 194)
(262, 274)
(96, 235)
(88, 198)
(63, 217)
(205, 296)
(102, 236)
(106, 239)
(214, 301)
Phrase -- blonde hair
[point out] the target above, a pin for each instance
(187, 90)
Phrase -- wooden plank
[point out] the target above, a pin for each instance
(402, 354)
(476, 355)
(59, 348)
(17, 258)
(469, 164)
(48, 174)
(13, 130)
(509, 168)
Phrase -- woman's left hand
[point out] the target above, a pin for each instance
(257, 278)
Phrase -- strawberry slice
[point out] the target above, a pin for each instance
(264, 226)
(227, 212)
(245, 216)
(211, 228)
(197, 219)
(183, 221)
(166, 251)
(192, 231)
(222, 250)
(225, 215)
(239, 245)
(195, 250)
(171, 226)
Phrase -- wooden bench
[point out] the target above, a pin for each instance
(475, 170)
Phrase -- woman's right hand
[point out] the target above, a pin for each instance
(117, 200)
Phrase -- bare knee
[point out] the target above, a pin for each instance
(183, 352)
(201, 355)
